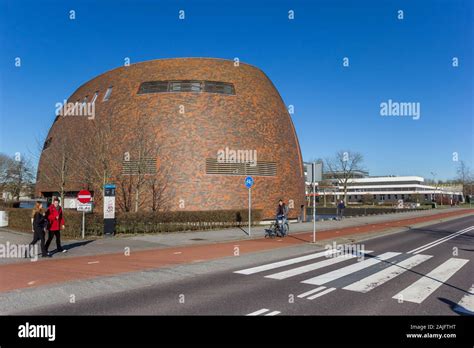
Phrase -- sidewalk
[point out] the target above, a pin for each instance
(183, 248)
(108, 245)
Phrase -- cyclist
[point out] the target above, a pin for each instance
(282, 214)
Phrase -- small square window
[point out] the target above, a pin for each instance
(107, 94)
(94, 97)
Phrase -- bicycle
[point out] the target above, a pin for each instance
(278, 228)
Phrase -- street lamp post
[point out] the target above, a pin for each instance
(436, 189)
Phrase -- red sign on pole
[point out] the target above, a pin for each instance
(84, 196)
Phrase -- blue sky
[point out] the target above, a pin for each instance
(336, 108)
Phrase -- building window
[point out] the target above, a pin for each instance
(403, 196)
(153, 87)
(426, 196)
(47, 143)
(94, 97)
(375, 196)
(107, 94)
(219, 87)
(382, 197)
(186, 86)
(84, 101)
(388, 197)
(396, 196)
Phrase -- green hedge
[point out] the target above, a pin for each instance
(353, 211)
(145, 222)
(9, 204)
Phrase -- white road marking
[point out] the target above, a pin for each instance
(425, 286)
(260, 311)
(466, 305)
(304, 294)
(341, 272)
(32, 282)
(92, 262)
(439, 241)
(272, 313)
(368, 283)
(177, 253)
(311, 267)
(285, 262)
(327, 291)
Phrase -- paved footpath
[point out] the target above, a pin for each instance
(27, 274)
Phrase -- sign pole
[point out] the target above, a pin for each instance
(84, 197)
(249, 184)
(109, 209)
(314, 212)
(83, 224)
(250, 210)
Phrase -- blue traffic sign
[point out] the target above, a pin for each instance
(248, 182)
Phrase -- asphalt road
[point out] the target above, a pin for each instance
(400, 274)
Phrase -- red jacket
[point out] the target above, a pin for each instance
(55, 218)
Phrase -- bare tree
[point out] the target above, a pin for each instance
(98, 156)
(5, 163)
(158, 185)
(124, 199)
(61, 162)
(343, 166)
(465, 178)
(140, 157)
(18, 177)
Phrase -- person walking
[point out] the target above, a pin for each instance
(340, 209)
(54, 214)
(39, 223)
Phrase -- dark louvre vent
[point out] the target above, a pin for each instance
(213, 166)
(139, 167)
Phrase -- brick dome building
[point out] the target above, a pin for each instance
(209, 122)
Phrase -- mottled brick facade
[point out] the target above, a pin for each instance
(254, 118)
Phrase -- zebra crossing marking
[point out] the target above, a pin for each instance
(426, 285)
(304, 294)
(466, 305)
(366, 275)
(372, 281)
(322, 293)
(262, 311)
(311, 267)
(283, 263)
(341, 272)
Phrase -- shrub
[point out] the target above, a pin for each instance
(9, 204)
(143, 222)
